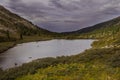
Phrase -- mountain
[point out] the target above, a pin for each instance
(107, 32)
(13, 27)
(100, 30)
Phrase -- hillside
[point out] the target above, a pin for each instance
(107, 33)
(13, 27)
(108, 26)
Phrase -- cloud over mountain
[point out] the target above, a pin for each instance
(64, 15)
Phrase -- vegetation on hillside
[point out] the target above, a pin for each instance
(14, 27)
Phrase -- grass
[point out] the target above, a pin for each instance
(6, 45)
(34, 38)
(74, 71)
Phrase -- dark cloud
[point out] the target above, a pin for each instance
(64, 15)
(57, 4)
(68, 7)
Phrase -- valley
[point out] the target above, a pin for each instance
(101, 62)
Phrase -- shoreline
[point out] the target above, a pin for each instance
(14, 44)
(62, 54)
(2, 51)
(7, 48)
(37, 40)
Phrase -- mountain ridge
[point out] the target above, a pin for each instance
(100, 25)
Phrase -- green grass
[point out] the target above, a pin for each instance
(74, 71)
(93, 64)
(34, 38)
(6, 45)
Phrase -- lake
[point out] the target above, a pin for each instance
(26, 52)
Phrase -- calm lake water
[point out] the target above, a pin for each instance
(27, 52)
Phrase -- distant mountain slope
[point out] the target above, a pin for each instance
(101, 30)
(13, 26)
(110, 23)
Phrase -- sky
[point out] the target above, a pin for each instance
(64, 15)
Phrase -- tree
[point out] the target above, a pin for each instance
(21, 36)
(8, 34)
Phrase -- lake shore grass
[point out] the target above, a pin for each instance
(89, 64)
(4, 46)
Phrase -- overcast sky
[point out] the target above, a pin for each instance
(64, 15)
